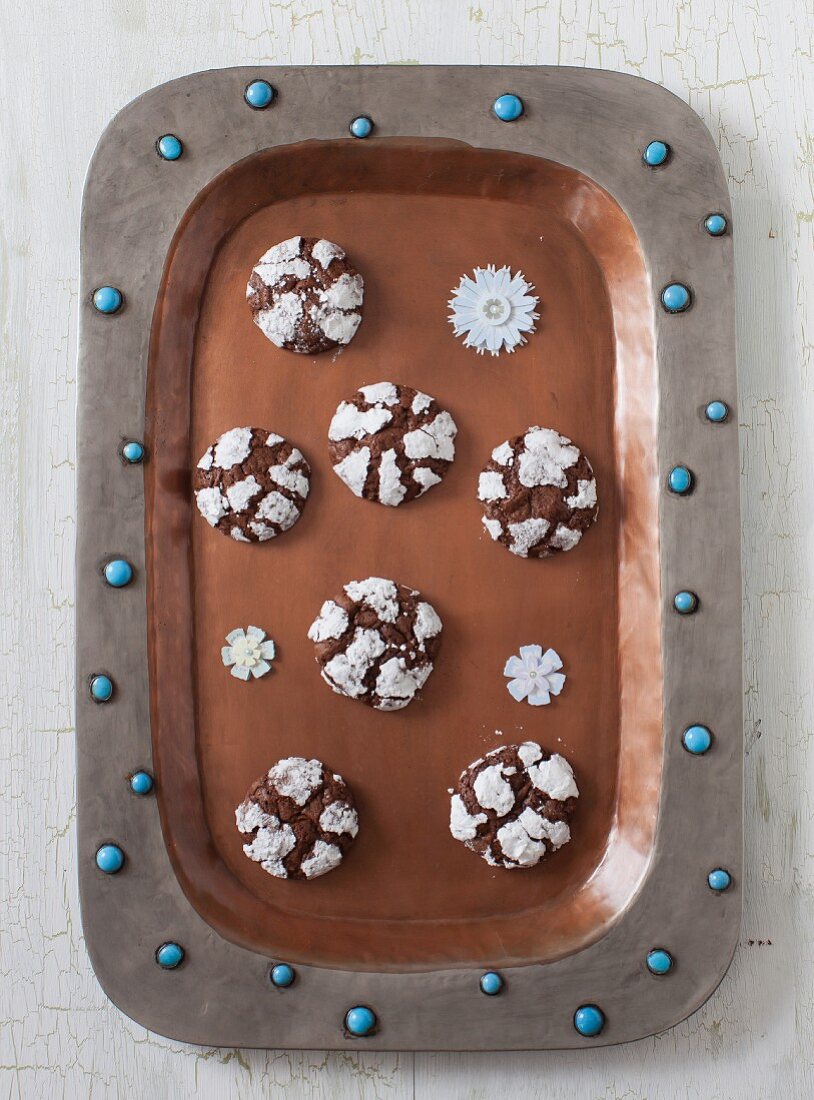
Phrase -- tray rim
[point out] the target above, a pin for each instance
(127, 218)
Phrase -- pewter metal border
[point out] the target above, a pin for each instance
(597, 123)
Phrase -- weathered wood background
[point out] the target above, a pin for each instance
(65, 67)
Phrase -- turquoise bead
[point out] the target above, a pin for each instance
(282, 975)
(101, 688)
(107, 299)
(491, 983)
(133, 452)
(715, 225)
(719, 880)
(110, 859)
(685, 602)
(118, 573)
(169, 955)
(141, 783)
(716, 412)
(508, 108)
(659, 961)
(656, 153)
(679, 480)
(258, 94)
(169, 147)
(589, 1020)
(361, 127)
(675, 298)
(360, 1021)
(696, 739)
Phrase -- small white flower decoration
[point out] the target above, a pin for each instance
(248, 653)
(534, 675)
(493, 310)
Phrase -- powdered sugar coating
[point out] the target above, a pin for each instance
(513, 805)
(390, 443)
(539, 494)
(376, 642)
(300, 818)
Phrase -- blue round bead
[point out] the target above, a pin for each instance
(685, 602)
(282, 975)
(118, 573)
(107, 299)
(716, 412)
(659, 961)
(719, 880)
(679, 480)
(675, 298)
(110, 859)
(656, 153)
(101, 688)
(141, 782)
(508, 107)
(360, 1021)
(589, 1020)
(169, 955)
(715, 225)
(258, 94)
(361, 127)
(696, 739)
(133, 452)
(169, 147)
(491, 983)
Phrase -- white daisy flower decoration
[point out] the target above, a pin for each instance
(248, 653)
(534, 675)
(493, 309)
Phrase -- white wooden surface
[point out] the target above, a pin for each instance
(65, 67)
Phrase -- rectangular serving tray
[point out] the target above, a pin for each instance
(412, 919)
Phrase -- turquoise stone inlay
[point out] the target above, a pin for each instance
(715, 225)
(118, 573)
(169, 955)
(719, 880)
(716, 412)
(141, 783)
(169, 147)
(659, 961)
(675, 298)
(656, 153)
(508, 107)
(282, 975)
(101, 688)
(589, 1020)
(110, 859)
(361, 127)
(685, 602)
(696, 739)
(107, 299)
(360, 1021)
(679, 480)
(258, 94)
(133, 452)
(491, 983)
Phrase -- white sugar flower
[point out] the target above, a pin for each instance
(248, 653)
(493, 310)
(534, 675)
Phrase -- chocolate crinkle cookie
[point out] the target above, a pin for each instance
(300, 818)
(391, 443)
(251, 484)
(306, 296)
(539, 494)
(512, 806)
(377, 642)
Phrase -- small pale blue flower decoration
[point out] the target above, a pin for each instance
(534, 675)
(248, 653)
